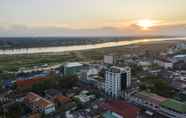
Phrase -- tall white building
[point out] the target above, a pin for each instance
(117, 80)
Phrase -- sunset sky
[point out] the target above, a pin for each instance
(91, 17)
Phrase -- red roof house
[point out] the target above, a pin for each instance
(121, 107)
(29, 83)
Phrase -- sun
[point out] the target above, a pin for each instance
(145, 23)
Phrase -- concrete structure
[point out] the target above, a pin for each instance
(164, 63)
(89, 73)
(179, 58)
(145, 64)
(71, 69)
(181, 46)
(178, 84)
(117, 80)
(39, 104)
(167, 107)
(84, 97)
(109, 59)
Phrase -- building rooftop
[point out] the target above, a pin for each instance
(43, 103)
(28, 83)
(116, 69)
(33, 98)
(108, 114)
(62, 99)
(73, 64)
(180, 56)
(121, 107)
(165, 60)
(174, 105)
(151, 97)
(178, 84)
(34, 115)
(52, 92)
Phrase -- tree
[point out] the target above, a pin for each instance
(135, 69)
(15, 111)
(68, 82)
(157, 85)
(6, 76)
(41, 86)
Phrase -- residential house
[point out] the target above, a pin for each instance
(148, 100)
(119, 109)
(52, 93)
(38, 103)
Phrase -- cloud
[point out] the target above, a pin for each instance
(132, 30)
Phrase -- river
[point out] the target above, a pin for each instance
(83, 47)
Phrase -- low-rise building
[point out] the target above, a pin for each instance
(88, 73)
(109, 59)
(119, 109)
(148, 100)
(164, 106)
(84, 97)
(173, 109)
(63, 102)
(145, 64)
(38, 103)
(73, 68)
(164, 63)
(180, 65)
(180, 46)
(110, 114)
(180, 57)
(52, 93)
(178, 84)
(24, 84)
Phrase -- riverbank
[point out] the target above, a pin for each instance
(85, 47)
(16, 62)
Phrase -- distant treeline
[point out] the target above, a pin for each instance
(29, 42)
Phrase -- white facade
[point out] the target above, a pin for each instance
(117, 80)
(86, 74)
(164, 64)
(145, 64)
(84, 98)
(109, 59)
(49, 109)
